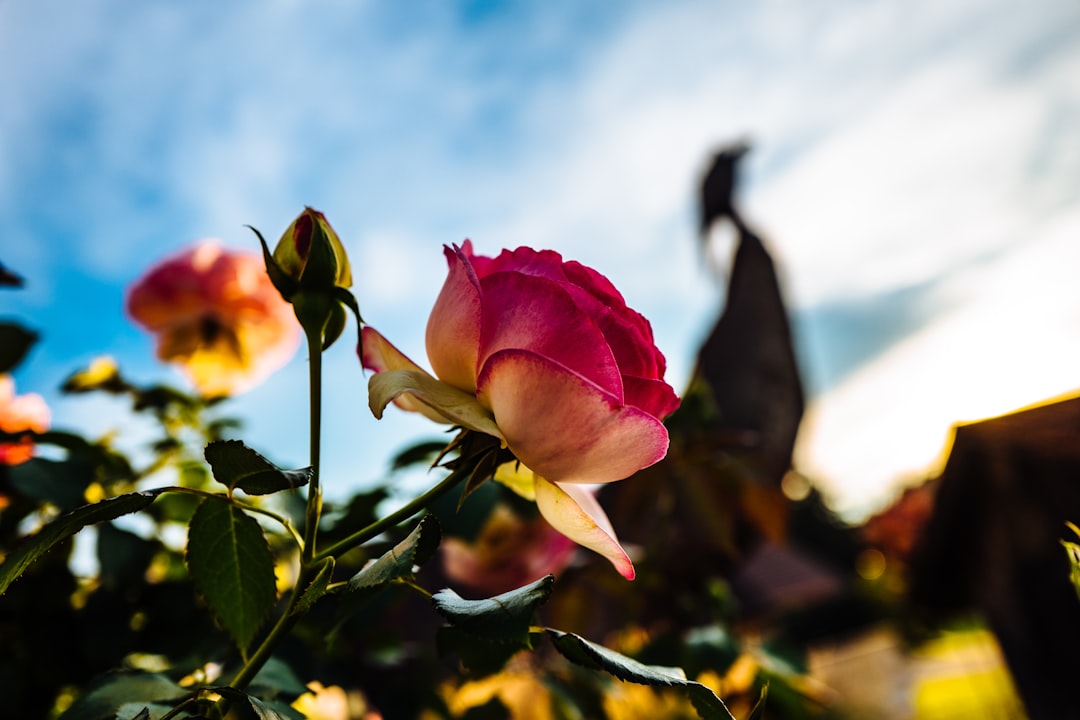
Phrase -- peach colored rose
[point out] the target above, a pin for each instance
(546, 356)
(217, 316)
(20, 413)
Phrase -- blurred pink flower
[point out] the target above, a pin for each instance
(509, 552)
(20, 413)
(217, 316)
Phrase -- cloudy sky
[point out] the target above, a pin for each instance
(915, 171)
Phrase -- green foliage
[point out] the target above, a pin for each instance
(238, 467)
(60, 482)
(582, 652)
(15, 343)
(504, 617)
(232, 568)
(316, 589)
(1072, 549)
(102, 700)
(67, 525)
(485, 634)
(425, 452)
(398, 562)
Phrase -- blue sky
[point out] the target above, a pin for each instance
(916, 172)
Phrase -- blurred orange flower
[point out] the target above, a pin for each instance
(20, 413)
(216, 315)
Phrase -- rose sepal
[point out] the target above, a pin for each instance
(281, 280)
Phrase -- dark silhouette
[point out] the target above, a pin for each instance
(748, 362)
(992, 545)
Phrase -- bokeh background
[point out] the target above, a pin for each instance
(915, 172)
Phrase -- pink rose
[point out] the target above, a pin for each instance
(20, 413)
(217, 315)
(546, 356)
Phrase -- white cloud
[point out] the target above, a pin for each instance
(1013, 340)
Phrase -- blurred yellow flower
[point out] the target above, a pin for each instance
(217, 316)
(333, 703)
(519, 690)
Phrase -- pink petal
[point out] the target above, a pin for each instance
(453, 330)
(564, 427)
(574, 511)
(531, 313)
(653, 396)
(381, 356)
(537, 263)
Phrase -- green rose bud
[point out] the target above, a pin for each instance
(311, 253)
(310, 269)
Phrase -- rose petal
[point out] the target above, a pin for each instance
(538, 263)
(518, 478)
(627, 331)
(574, 511)
(453, 329)
(380, 355)
(653, 396)
(525, 312)
(451, 404)
(563, 426)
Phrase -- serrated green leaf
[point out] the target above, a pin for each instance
(580, 651)
(232, 568)
(504, 616)
(316, 588)
(238, 467)
(106, 696)
(67, 525)
(15, 342)
(398, 562)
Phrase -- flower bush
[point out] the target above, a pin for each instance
(546, 356)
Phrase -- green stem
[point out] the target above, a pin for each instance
(314, 505)
(404, 513)
(287, 619)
